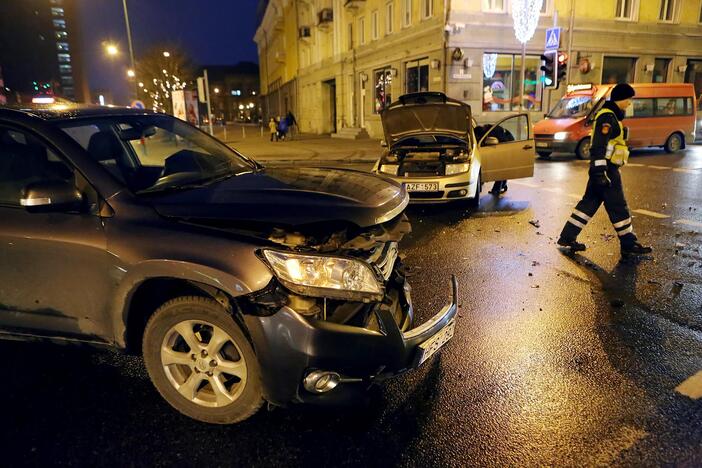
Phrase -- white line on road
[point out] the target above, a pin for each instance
(688, 171)
(574, 195)
(692, 387)
(652, 214)
(553, 189)
(634, 165)
(660, 168)
(688, 222)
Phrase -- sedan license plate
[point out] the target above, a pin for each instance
(422, 186)
(436, 342)
(541, 144)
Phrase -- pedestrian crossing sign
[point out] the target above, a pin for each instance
(553, 38)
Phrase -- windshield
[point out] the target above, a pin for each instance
(572, 107)
(430, 140)
(156, 152)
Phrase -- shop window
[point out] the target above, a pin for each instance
(494, 6)
(361, 30)
(668, 11)
(59, 24)
(417, 76)
(627, 10)
(660, 70)
(63, 46)
(427, 8)
(501, 84)
(389, 17)
(618, 70)
(64, 58)
(673, 106)
(383, 89)
(406, 13)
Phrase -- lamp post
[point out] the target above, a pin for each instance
(129, 41)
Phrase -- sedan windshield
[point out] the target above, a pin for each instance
(151, 153)
(572, 107)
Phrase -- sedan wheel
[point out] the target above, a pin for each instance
(201, 362)
(583, 149)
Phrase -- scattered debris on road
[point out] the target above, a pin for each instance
(535, 223)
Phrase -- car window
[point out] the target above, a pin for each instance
(674, 106)
(23, 160)
(641, 107)
(512, 129)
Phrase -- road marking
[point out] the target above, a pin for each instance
(553, 189)
(660, 168)
(652, 214)
(528, 184)
(574, 195)
(688, 171)
(635, 165)
(688, 222)
(692, 387)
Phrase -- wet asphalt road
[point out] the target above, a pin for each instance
(557, 360)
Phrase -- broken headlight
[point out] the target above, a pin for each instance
(324, 276)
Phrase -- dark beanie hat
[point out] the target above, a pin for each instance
(622, 91)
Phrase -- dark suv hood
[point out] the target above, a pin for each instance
(289, 196)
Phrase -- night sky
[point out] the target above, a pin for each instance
(212, 32)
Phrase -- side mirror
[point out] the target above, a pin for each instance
(51, 195)
(383, 143)
(490, 141)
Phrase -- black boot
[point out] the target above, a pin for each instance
(573, 245)
(635, 249)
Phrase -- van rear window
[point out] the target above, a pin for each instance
(660, 107)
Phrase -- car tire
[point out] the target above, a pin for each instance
(674, 143)
(221, 382)
(544, 154)
(582, 151)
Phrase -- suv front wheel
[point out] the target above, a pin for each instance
(201, 362)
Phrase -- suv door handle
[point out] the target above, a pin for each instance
(527, 147)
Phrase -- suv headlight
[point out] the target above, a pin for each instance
(389, 169)
(560, 136)
(452, 169)
(323, 276)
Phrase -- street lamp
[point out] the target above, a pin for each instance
(111, 50)
(216, 90)
(130, 73)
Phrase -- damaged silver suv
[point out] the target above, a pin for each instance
(239, 284)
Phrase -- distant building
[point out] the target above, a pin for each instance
(338, 63)
(234, 91)
(40, 49)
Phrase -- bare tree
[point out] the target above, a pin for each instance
(161, 70)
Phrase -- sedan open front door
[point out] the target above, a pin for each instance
(507, 150)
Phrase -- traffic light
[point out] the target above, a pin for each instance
(562, 67)
(550, 69)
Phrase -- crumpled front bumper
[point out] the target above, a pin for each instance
(290, 346)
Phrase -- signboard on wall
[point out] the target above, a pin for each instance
(178, 98)
(192, 108)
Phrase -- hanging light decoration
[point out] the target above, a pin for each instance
(489, 65)
(525, 15)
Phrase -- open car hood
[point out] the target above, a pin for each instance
(425, 114)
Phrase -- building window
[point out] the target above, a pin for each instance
(383, 89)
(350, 34)
(361, 30)
(59, 24)
(61, 35)
(547, 7)
(65, 69)
(57, 12)
(501, 85)
(669, 11)
(63, 46)
(64, 58)
(417, 76)
(389, 17)
(494, 6)
(693, 74)
(406, 13)
(627, 10)
(427, 9)
(618, 70)
(67, 80)
(660, 70)
(374, 25)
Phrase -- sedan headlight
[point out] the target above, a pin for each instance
(323, 276)
(452, 169)
(560, 136)
(389, 169)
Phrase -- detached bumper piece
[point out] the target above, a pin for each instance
(320, 362)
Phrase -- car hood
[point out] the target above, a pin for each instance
(551, 126)
(289, 196)
(449, 118)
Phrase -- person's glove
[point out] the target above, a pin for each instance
(602, 179)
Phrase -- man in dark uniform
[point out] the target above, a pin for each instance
(608, 152)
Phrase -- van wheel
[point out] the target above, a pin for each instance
(201, 362)
(544, 154)
(673, 143)
(583, 149)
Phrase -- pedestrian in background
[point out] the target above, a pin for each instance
(273, 127)
(608, 152)
(291, 121)
(282, 128)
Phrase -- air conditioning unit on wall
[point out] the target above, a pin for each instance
(305, 32)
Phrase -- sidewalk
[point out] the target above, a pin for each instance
(304, 147)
